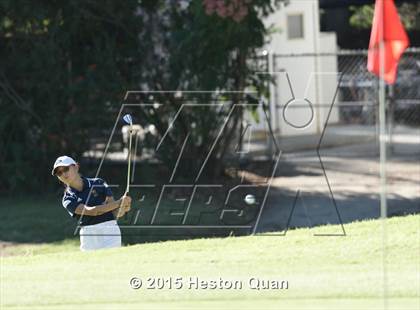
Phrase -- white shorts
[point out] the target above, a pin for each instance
(100, 236)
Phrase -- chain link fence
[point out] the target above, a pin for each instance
(360, 87)
(334, 96)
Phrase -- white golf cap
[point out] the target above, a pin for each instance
(63, 161)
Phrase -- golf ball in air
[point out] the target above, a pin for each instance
(250, 199)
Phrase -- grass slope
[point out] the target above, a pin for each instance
(322, 272)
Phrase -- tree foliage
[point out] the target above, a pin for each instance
(362, 16)
(65, 66)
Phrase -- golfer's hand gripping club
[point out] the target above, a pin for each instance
(125, 205)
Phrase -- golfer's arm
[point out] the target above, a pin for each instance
(115, 211)
(97, 210)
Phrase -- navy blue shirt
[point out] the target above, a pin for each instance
(94, 193)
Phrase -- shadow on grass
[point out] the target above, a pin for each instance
(31, 219)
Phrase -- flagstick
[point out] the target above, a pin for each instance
(382, 172)
(382, 155)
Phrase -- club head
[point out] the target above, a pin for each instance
(128, 119)
(152, 129)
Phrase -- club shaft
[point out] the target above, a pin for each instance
(127, 189)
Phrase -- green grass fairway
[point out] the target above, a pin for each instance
(322, 272)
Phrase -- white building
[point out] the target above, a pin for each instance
(313, 79)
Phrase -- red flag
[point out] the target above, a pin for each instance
(386, 28)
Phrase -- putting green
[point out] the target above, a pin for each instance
(321, 272)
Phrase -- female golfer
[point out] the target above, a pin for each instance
(90, 201)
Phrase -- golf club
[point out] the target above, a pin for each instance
(128, 120)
